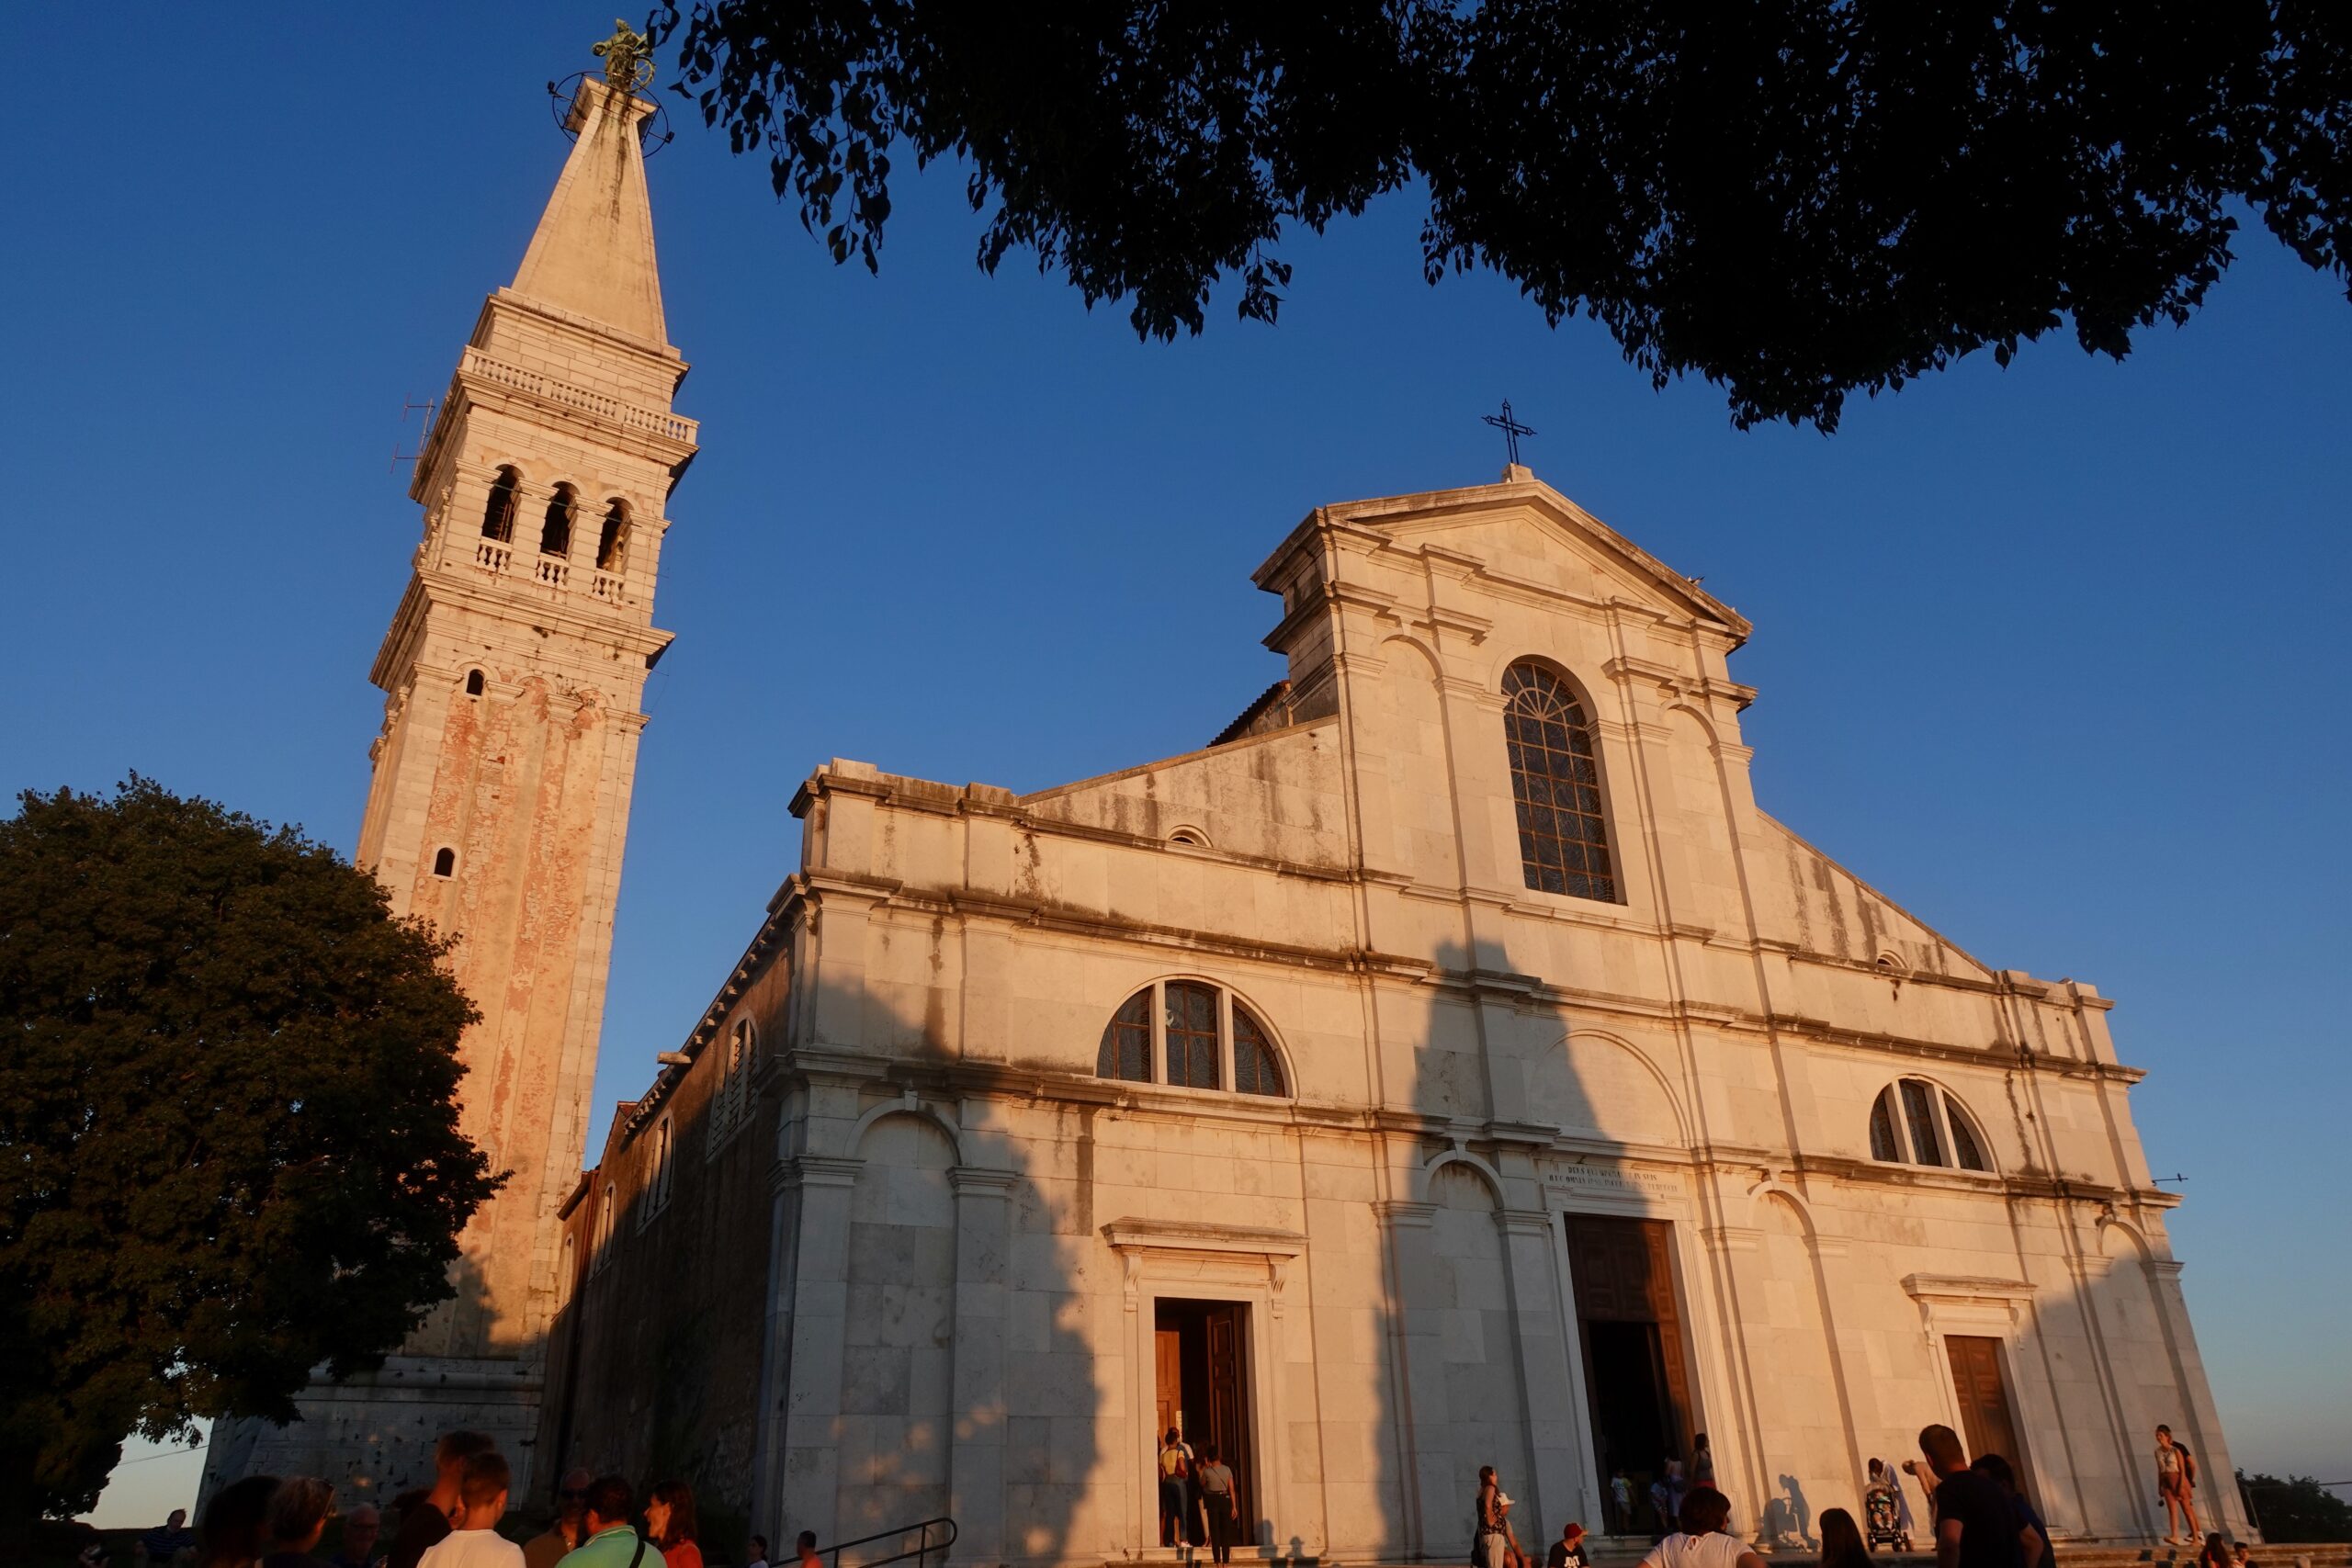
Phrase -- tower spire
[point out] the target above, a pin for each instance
(593, 252)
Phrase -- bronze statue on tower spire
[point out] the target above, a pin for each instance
(628, 56)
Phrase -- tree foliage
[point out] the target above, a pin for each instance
(229, 1148)
(2296, 1509)
(1795, 199)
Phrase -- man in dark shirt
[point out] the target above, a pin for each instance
(1977, 1525)
(425, 1521)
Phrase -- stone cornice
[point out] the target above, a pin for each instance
(1202, 1235)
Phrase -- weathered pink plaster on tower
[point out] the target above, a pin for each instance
(514, 669)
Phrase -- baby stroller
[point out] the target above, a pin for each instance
(1886, 1518)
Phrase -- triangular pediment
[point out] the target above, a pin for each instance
(1521, 531)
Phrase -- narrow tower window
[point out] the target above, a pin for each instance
(555, 533)
(497, 517)
(612, 545)
(445, 863)
(474, 682)
(1555, 783)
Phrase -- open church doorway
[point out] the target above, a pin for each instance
(1200, 1360)
(1636, 1370)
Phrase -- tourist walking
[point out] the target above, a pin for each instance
(1702, 1464)
(1514, 1555)
(2177, 1484)
(1661, 1508)
(298, 1518)
(612, 1541)
(473, 1540)
(236, 1524)
(1975, 1526)
(1702, 1541)
(1842, 1545)
(1216, 1496)
(758, 1553)
(1486, 1540)
(805, 1548)
(361, 1526)
(670, 1524)
(546, 1549)
(423, 1524)
(1620, 1499)
(1568, 1550)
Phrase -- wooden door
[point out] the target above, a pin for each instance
(1623, 1273)
(1167, 1359)
(1985, 1422)
(1230, 1408)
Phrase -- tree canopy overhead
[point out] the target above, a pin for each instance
(1796, 199)
(229, 1148)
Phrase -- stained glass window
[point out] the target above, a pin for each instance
(1190, 1025)
(1556, 785)
(1127, 1044)
(1256, 1069)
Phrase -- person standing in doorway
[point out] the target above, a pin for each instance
(2177, 1484)
(1975, 1526)
(1216, 1495)
(1702, 1464)
(1705, 1541)
(547, 1548)
(1175, 1464)
(1621, 1495)
(1487, 1541)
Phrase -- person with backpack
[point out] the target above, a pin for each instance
(2177, 1484)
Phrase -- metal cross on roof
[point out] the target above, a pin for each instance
(1512, 429)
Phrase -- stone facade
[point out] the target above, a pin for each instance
(891, 1237)
(500, 802)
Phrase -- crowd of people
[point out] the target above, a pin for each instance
(1983, 1518)
(268, 1521)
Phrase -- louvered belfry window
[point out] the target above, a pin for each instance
(1555, 786)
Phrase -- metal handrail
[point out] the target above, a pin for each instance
(921, 1551)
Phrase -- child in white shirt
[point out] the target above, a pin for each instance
(473, 1540)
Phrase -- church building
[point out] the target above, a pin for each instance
(1448, 1063)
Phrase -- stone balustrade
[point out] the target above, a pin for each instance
(658, 420)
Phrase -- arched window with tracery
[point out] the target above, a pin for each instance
(1555, 786)
(498, 516)
(1915, 1122)
(1197, 1036)
(612, 544)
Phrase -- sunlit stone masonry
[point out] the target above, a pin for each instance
(1448, 1063)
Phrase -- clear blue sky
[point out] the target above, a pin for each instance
(2047, 655)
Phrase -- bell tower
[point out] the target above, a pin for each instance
(498, 805)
